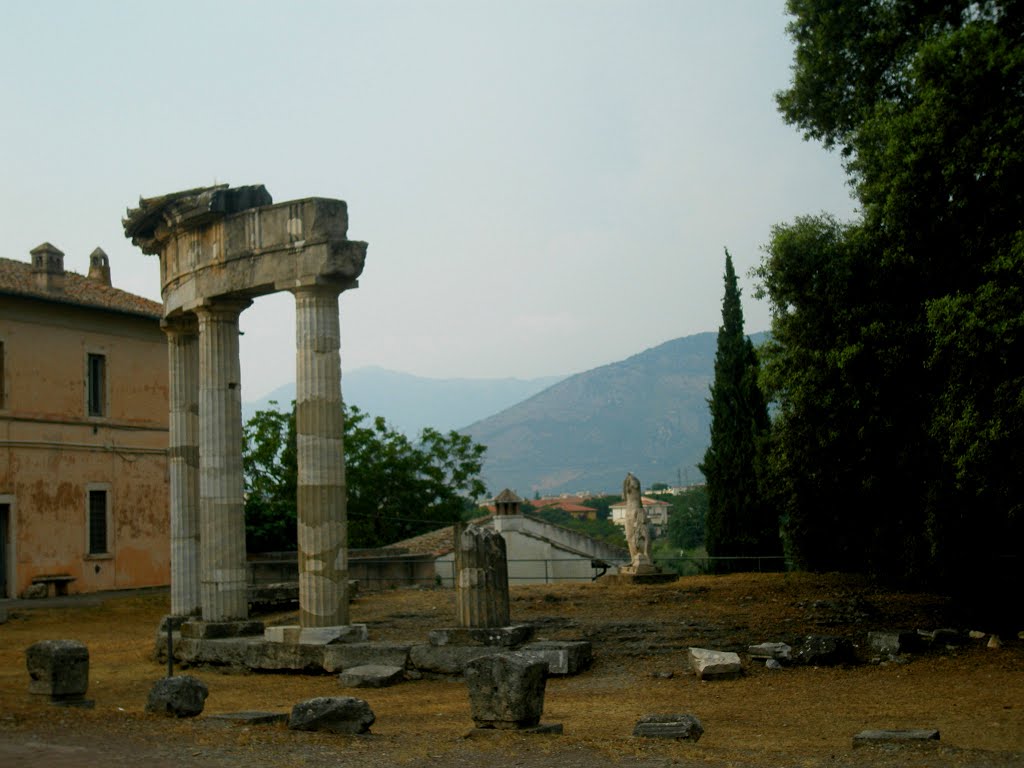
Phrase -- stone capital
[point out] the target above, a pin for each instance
(184, 324)
(223, 309)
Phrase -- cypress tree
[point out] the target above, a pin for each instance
(739, 522)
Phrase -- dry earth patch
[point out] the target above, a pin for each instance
(799, 716)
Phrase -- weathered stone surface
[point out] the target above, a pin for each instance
(890, 737)
(350, 633)
(825, 651)
(178, 696)
(506, 690)
(504, 637)
(217, 630)
(542, 729)
(58, 668)
(334, 714)
(778, 651)
(891, 643)
(563, 657)
(714, 665)
(772, 664)
(682, 727)
(371, 676)
(446, 659)
(251, 718)
(346, 655)
(35, 592)
(481, 578)
(941, 637)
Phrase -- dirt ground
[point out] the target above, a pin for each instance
(797, 716)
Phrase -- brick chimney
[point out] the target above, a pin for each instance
(99, 267)
(48, 268)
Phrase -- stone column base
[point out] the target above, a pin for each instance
(197, 629)
(296, 635)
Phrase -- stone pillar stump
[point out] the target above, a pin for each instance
(481, 578)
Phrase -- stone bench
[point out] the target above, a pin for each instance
(59, 581)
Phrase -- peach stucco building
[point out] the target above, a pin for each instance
(83, 430)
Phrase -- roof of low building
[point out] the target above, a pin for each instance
(439, 542)
(17, 278)
(646, 501)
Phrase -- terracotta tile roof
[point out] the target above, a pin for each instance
(566, 506)
(16, 279)
(439, 542)
(645, 501)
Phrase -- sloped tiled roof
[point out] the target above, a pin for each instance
(645, 501)
(439, 542)
(16, 278)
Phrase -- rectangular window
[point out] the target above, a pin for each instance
(98, 523)
(3, 402)
(96, 384)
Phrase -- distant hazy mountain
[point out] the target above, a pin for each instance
(647, 415)
(410, 403)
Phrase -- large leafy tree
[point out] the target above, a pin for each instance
(396, 488)
(896, 354)
(739, 520)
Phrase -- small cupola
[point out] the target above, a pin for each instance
(48, 267)
(507, 503)
(99, 267)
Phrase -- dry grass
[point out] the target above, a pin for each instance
(799, 716)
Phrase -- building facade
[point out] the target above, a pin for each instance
(656, 509)
(83, 430)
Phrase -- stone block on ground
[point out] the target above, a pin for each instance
(825, 651)
(714, 665)
(196, 629)
(334, 714)
(371, 676)
(563, 657)
(764, 651)
(446, 659)
(506, 690)
(178, 696)
(58, 669)
(250, 718)
(682, 727)
(921, 736)
(502, 637)
(350, 633)
(344, 655)
(893, 642)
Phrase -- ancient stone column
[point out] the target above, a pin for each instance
(481, 578)
(322, 521)
(183, 463)
(221, 504)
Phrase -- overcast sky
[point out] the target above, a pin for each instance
(545, 186)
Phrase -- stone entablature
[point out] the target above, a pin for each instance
(218, 242)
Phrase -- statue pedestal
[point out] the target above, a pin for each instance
(640, 574)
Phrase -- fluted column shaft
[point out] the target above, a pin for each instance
(183, 463)
(481, 578)
(322, 520)
(221, 501)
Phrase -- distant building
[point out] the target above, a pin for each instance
(83, 430)
(656, 509)
(571, 507)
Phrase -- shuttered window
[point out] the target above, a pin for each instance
(97, 522)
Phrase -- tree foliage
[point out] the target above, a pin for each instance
(895, 357)
(396, 488)
(687, 517)
(739, 520)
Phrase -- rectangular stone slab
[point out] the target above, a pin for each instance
(909, 736)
